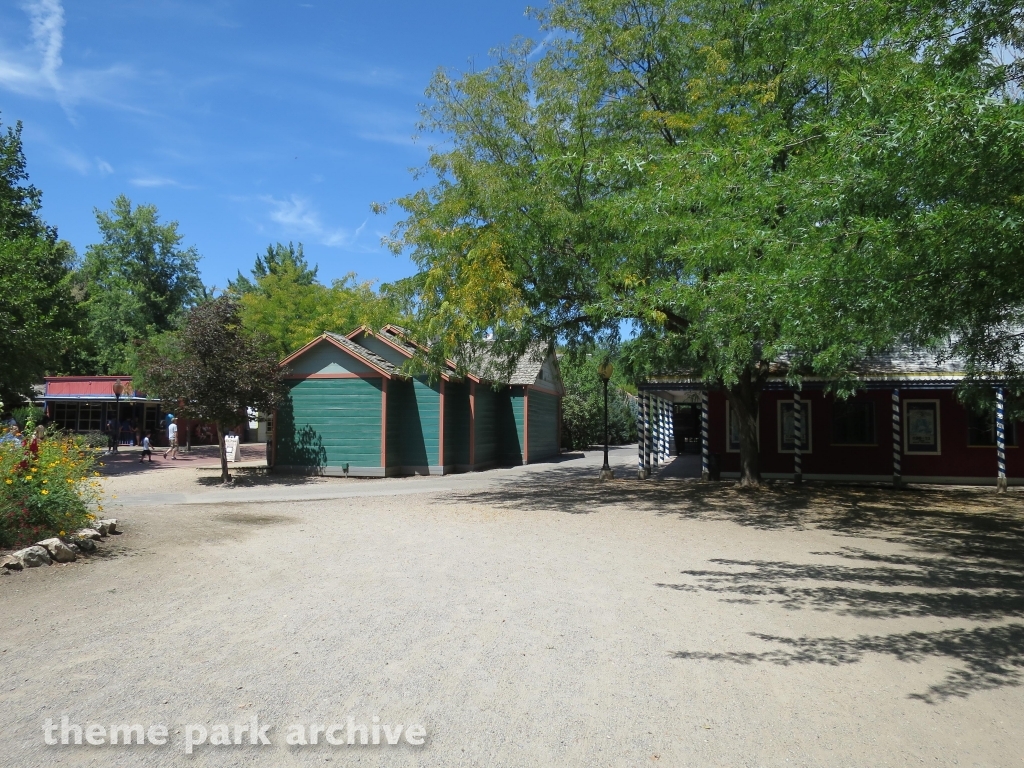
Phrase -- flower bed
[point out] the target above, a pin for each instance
(47, 487)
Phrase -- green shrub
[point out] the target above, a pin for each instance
(26, 414)
(46, 489)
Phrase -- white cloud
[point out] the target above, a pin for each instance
(47, 18)
(104, 167)
(541, 46)
(299, 219)
(38, 71)
(154, 181)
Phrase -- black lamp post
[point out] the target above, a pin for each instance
(605, 372)
(118, 389)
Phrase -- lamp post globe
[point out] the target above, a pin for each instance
(605, 371)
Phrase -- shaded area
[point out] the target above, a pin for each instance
(960, 558)
(886, 587)
(991, 657)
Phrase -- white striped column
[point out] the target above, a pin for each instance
(705, 448)
(647, 436)
(798, 439)
(656, 435)
(640, 435)
(897, 471)
(1001, 439)
(663, 430)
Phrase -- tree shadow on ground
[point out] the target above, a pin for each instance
(990, 657)
(961, 558)
(255, 477)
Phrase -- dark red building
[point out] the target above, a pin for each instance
(904, 423)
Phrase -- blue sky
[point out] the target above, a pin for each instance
(247, 122)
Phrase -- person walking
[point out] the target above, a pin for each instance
(147, 449)
(172, 439)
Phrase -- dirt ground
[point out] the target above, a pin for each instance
(529, 617)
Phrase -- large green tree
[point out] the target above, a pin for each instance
(285, 302)
(743, 181)
(138, 281)
(212, 368)
(38, 314)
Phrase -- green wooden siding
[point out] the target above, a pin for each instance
(456, 424)
(413, 423)
(330, 422)
(543, 425)
(510, 425)
(486, 413)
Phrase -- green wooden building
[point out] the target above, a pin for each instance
(352, 411)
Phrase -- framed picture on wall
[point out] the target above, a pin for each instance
(921, 426)
(787, 426)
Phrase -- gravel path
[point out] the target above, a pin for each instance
(530, 617)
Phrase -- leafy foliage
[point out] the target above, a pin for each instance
(285, 302)
(38, 314)
(758, 187)
(47, 488)
(137, 282)
(213, 368)
(583, 405)
(278, 259)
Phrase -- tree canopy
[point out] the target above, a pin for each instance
(758, 187)
(285, 301)
(213, 369)
(137, 282)
(38, 312)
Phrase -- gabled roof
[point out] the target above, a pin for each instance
(361, 353)
(371, 358)
(397, 342)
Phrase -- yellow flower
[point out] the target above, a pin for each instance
(45, 482)
(67, 514)
(44, 492)
(63, 533)
(70, 481)
(8, 481)
(96, 474)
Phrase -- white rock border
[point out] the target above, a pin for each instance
(58, 549)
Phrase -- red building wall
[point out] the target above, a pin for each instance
(957, 458)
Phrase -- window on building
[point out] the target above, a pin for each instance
(921, 426)
(981, 430)
(733, 441)
(89, 417)
(787, 426)
(65, 415)
(853, 423)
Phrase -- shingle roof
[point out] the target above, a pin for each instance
(360, 351)
(900, 363)
(398, 340)
(486, 365)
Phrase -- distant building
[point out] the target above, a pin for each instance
(87, 404)
(351, 410)
(903, 422)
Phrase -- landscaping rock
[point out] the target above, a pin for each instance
(89, 533)
(101, 526)
(33, 557)
(12, 563)
(110, 523)
(86, 545)
(58, 550)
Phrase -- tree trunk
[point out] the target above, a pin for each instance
(224, 476)
(745, 398)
